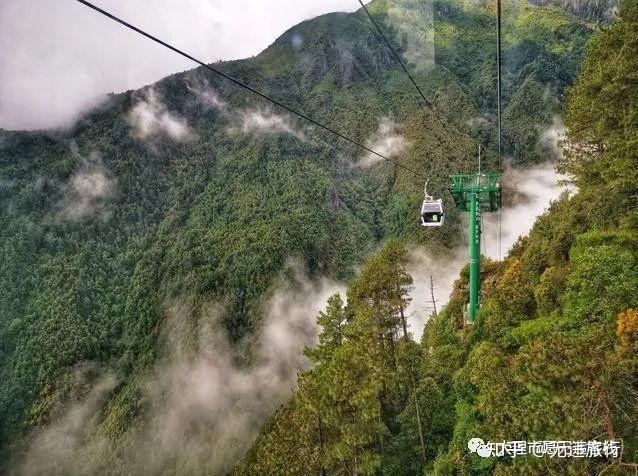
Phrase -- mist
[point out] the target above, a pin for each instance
(550, 139)
(87, 189)
(59, 58)
(536, 187)
(263, 121)
(150, 117)
(205, 399)
(206, 95)
(207, 406)
(428, 295)
(249, 121)
(387, 140)
(413, 20)
(55, 445)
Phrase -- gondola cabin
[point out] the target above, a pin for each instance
(432, 213)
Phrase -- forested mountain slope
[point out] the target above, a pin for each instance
(602, 10)
(553, 354)
(192, 191)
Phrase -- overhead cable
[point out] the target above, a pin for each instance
(245, 86)
(396, 55)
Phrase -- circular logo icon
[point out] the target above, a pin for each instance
(474, 443)
(484, 451)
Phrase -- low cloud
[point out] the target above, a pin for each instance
(527, 194)
(207, 407)
(480, 126)
(549, 141)
(413, 21)
(54, 446)
(386, 141)
(87, 190)
(243, 120)
(259, 121)
(150, 118)
(478, 121)
(428, 294)
(210, 98)
(205, 93)
(206, 398)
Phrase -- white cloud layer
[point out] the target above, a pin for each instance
(386, 141)
(204, 404)
(258, 121)
(536, 187)
(206, 94)
(87, 190)
(149, 117)
(550, 139)
(207, 407)
(413, 21)
(57, 57)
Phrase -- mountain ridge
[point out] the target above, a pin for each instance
(198, 190)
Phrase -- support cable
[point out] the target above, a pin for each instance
(498, 80)
(498, 106)
(245, 86)
(396, 55)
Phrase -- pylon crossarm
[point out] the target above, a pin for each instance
(484, 187)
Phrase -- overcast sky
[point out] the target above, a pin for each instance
(57, 57)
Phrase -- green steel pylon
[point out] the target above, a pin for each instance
(476, 193)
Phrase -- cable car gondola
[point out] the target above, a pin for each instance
(431, 210)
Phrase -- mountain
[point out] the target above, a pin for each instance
(178, 207)
(552, 356)
(602, 10)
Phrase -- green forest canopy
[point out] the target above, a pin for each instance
(553, 355)
(216, 217)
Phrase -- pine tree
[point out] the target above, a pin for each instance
(331, 321)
